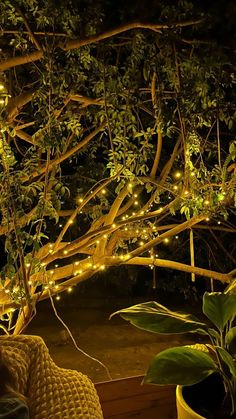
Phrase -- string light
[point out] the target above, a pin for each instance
(50, 282)
(135, 202)
(70, 289)
(102, 267)
(104, 191)
(135, 195)
(71, 221)
(166, 240)
(77, 263)
(206, 202)
(60, 225)
(57, 287)
(2, 87)
(177, 237)
(177, 175)
(56, 266)
(219, 222)
(65, 252)
(27, 265)
(113, 225)
(58, 297)
(175, 187)
(207, 219)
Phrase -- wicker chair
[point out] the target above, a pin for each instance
(53, 392)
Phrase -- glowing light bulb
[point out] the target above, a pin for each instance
(186, 192)
(113, 225)
(219, 222)
(104, 191)
(77, 263)
(50, 282)
(177, 237)
(141, 243)
(30, 282)
(135, 195)
(102, 267)
(97, 241)
(56, 286)
(206, 202)
(135, 202)
(56, 266)
(166, 240)
(175, 187)
(177, 175)
(52, 272)
(60, 225)
(27, 265)
(104, 236)
(58, 297)
(65, 252)
(2, 87)
(207, 219)
(69, 289)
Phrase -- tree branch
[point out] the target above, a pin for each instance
(77, 43)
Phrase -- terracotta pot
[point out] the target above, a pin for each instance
(184, 411)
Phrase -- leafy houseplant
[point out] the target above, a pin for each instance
(188, 365)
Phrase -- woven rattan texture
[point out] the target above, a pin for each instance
(53, 392)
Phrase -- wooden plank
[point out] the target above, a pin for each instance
(126, 399)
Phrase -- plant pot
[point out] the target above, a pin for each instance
(203, 400)
(184, 411)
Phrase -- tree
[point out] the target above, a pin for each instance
(114, 139)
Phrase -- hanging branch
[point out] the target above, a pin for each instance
(191, 241)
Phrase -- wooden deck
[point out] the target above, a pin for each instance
(128, 399)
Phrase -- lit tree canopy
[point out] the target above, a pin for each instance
(116, 137)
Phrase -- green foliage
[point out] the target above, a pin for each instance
(190, 365)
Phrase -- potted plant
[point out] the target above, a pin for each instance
(210, 366)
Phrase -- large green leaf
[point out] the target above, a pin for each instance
(156, 318)
(230, 340)
(228, 359)
(180, 365)
(219, 308)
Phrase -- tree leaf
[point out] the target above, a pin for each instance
(156, 318)
(180, 365)
(219, 308)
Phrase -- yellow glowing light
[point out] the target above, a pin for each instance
(206, 202)
(2, 87)
(65, 252)
(126, 228)
(127, 256)
(51, 272)
(43, 263)
(102, 267)
(80, 200)
(130, 185)
(219, 222)
(50, 251)
(69, 289)
(141, 243)
(175, 187)
(2, 101)
(50, 245)
(60, 225)
(142, 212)
(113, 225)
(80, 272)
(46, 287)
(133, 213)
(94, 266)
(71, 221)
(97, 241)
(56, 286)
(77, 263)
(160, 209)
(104, 191)
(7, 291)
(27, 265)
(207, 219)
(136, 195)
(30, 282)
(123, 218)
(105, 236)
(166, 240)
(122, 257)
(177, 175)
(177, 237)
(135, 202)
(56, 266)
(192, 174)
(58, 297)
(50, 282)
(186, 192)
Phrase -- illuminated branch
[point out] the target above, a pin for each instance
(66, 155)
(77, 43)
